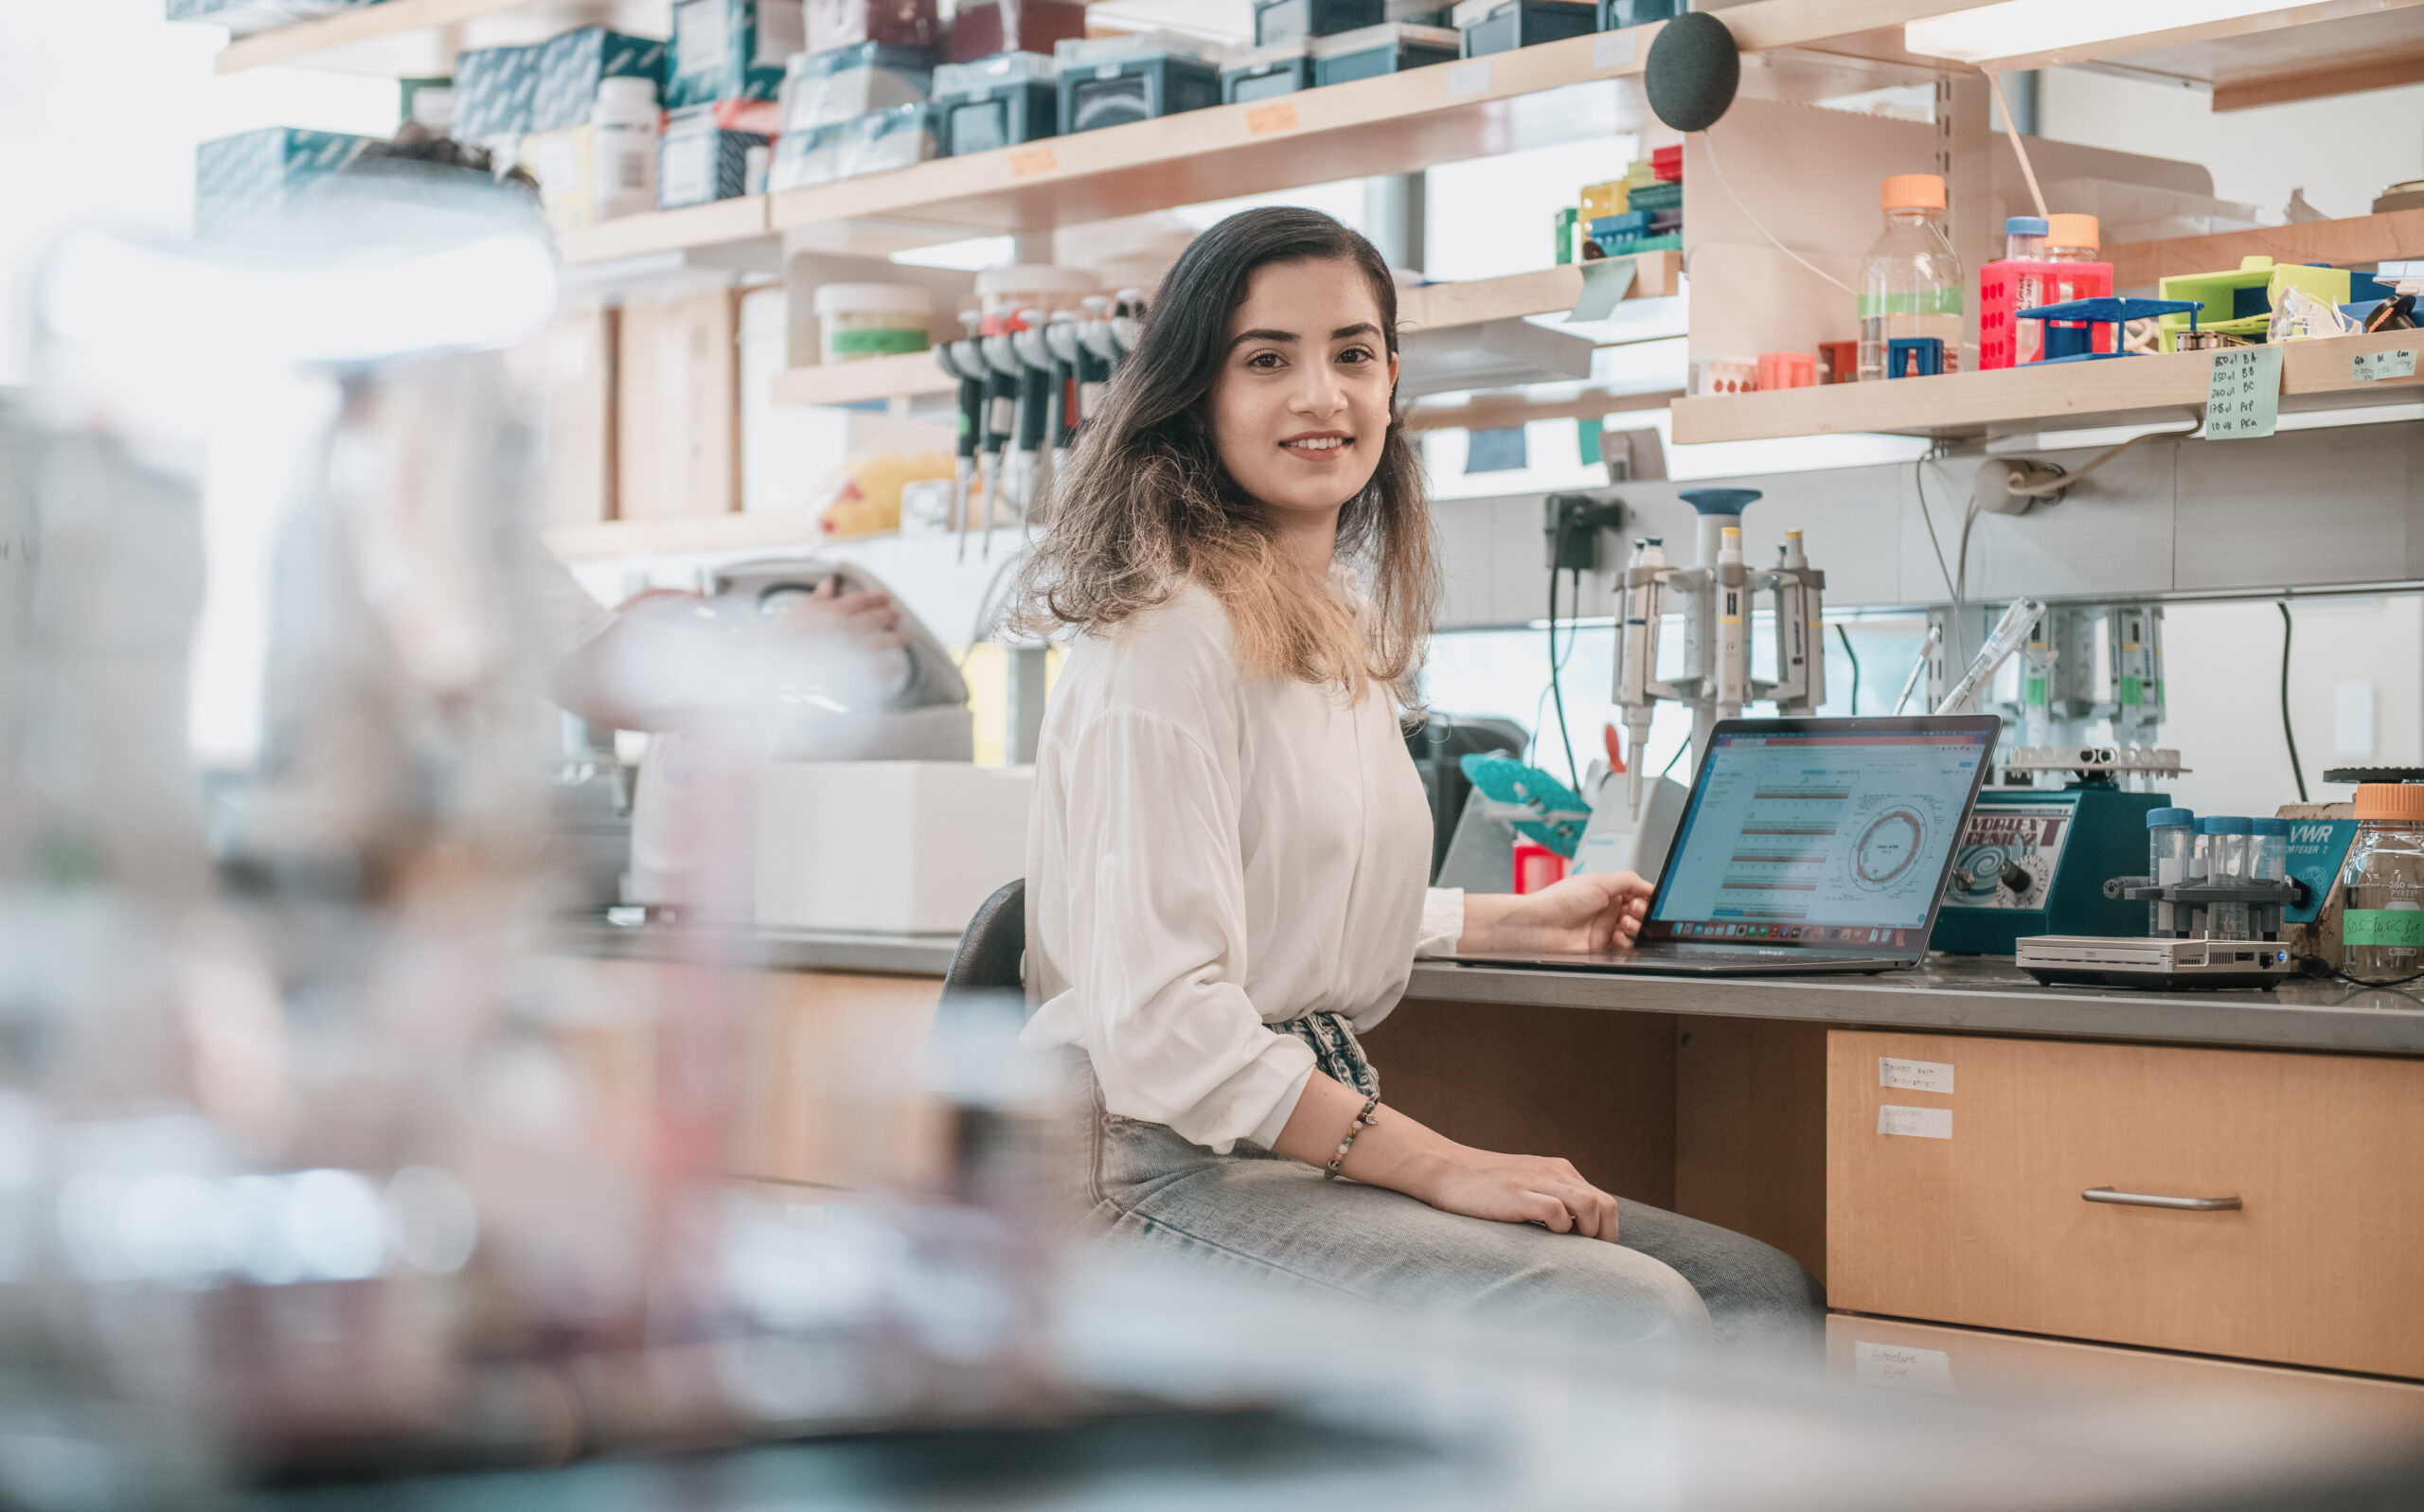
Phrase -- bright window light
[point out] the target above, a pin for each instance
(2019, 28)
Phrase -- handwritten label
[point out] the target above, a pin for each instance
(1908, 1369)
(1915, 1123)
(2374, 366)
(1279, 116)
(1612, 49)
(1916, 1075)
(1469, 78)
(1027, 162)
(2244, 399)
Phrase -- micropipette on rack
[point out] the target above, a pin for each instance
(2010, 634)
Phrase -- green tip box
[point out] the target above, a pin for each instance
(2232, 300)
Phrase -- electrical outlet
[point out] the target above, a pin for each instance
(1575, 523)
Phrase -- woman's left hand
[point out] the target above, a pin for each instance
(1580, 915)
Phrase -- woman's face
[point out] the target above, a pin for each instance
(1302, 402)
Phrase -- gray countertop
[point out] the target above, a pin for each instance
(771, 950)
(1980, 994)
(1974, 993)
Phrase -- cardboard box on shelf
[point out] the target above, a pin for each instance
(571, 366)
(678, 406)
(565, 165)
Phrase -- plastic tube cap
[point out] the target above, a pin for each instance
(2024, 225)
(2162, 818)
(2072, 231)
(2270, 827)
(2398, 801)
(1912, 191)
(2222, 825)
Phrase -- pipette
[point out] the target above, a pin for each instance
(2010, 634)
(965, 361)
(1920, 667)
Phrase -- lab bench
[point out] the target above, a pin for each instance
(1944, 1210)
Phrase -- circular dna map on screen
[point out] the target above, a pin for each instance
(1888, 848)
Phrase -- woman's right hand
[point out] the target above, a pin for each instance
(1518, 1190)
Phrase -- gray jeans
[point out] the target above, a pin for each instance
(1265, 1215)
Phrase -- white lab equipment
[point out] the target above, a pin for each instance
(2171, 849)
(894, 847)
(1715, 597)
(1615, 839)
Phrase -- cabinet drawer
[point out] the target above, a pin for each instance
(1975, 1215)
(2351, 1412)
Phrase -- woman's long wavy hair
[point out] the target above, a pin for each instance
(1144, 506)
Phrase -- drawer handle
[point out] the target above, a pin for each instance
(2181, 1204)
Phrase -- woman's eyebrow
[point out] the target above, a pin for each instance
(1361, 329)
(1281, 336)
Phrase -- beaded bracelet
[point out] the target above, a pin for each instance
(1362, 1121)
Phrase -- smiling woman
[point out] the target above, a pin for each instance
(1226, 861)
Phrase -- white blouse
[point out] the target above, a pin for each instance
(1210, 855)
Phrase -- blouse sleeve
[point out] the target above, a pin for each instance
(1443, 921)
(1154, 930)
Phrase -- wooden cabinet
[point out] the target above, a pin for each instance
(2349, 1411)
(1972, 1212)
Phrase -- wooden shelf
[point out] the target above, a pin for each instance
(1491, 412)
(2065, 396)
(2388, 237)
(1396, 123)
(392, 20)
(720, 223)
(1428, 307)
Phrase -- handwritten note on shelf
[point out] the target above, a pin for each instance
(1279, 116)
(1926, 1370)
(2372, 368)
(2244, 399)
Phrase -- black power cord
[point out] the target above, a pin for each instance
(2315, 966)
(1844, 635)
(2289, 736)
(1556, 663)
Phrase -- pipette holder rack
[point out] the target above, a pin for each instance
(2193, 901)
(1715, 598)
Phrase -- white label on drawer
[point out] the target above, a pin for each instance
(1611, 49)
(1918, 1075)
(1469, 78)
(1928, 1370)
(1918, 1123)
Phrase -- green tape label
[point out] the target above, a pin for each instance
(876, 341)
(2133, 692)
(2398, 928)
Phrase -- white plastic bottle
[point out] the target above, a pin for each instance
(623, 152)
(1910, 284)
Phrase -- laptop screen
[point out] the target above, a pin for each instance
(1831, 833)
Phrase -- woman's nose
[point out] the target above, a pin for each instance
(1318, 392)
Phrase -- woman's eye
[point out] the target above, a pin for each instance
(1356, 354)
(1264, 360)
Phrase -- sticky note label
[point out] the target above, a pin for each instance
(1900, 1366)
(1914, 1076)
(1028, 162)
(1612, 49)
(1469, 78)
(2373, 366)
(2243, 400)
(1279, 116)
(1915, 1123)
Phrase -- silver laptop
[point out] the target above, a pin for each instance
(1808, 845)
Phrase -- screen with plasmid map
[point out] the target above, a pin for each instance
(1839, 838)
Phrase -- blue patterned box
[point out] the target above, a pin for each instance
(698, 162)
(494, 91)
(731, 50)
(571, 65)
(256, 173)
(244, 17)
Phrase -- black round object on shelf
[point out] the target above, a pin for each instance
(1692, 71)
(2375, 774)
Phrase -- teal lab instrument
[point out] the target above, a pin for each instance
(2037, 861)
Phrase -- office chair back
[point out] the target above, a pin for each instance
(991, 948)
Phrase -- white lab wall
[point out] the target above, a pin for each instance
(101, 102)
(2223, 682)
(2341, 151)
